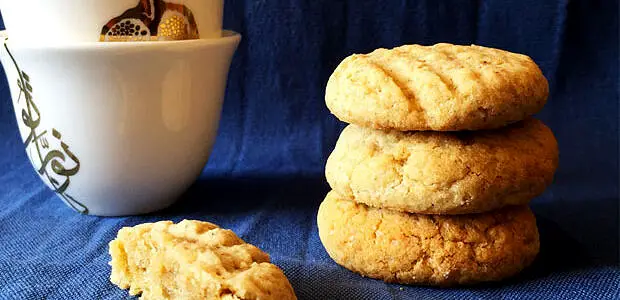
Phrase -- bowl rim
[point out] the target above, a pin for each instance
(228, 37)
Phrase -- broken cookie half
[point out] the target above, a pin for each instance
(193, 260)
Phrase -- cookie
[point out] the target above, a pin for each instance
(193, 260)
(442, 88)
(428, 249)
(444, 172)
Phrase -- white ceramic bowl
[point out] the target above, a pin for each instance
(119, 128)
(69, 21)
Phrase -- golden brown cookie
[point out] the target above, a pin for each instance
(428, 249)
(442, 88)
(193, 260)
(444, 172)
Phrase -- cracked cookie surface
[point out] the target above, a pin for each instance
(444, 172)
(441, 88)
(428, 249)
(193, 260)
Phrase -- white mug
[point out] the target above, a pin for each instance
(119, 129)
(71, 21)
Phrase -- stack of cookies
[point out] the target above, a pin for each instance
(432, 179)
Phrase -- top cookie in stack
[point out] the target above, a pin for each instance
(441, 88)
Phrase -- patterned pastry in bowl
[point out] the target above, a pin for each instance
(152, 20)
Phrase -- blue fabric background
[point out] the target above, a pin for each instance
(265, 178)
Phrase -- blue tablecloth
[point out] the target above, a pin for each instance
(265, 181)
